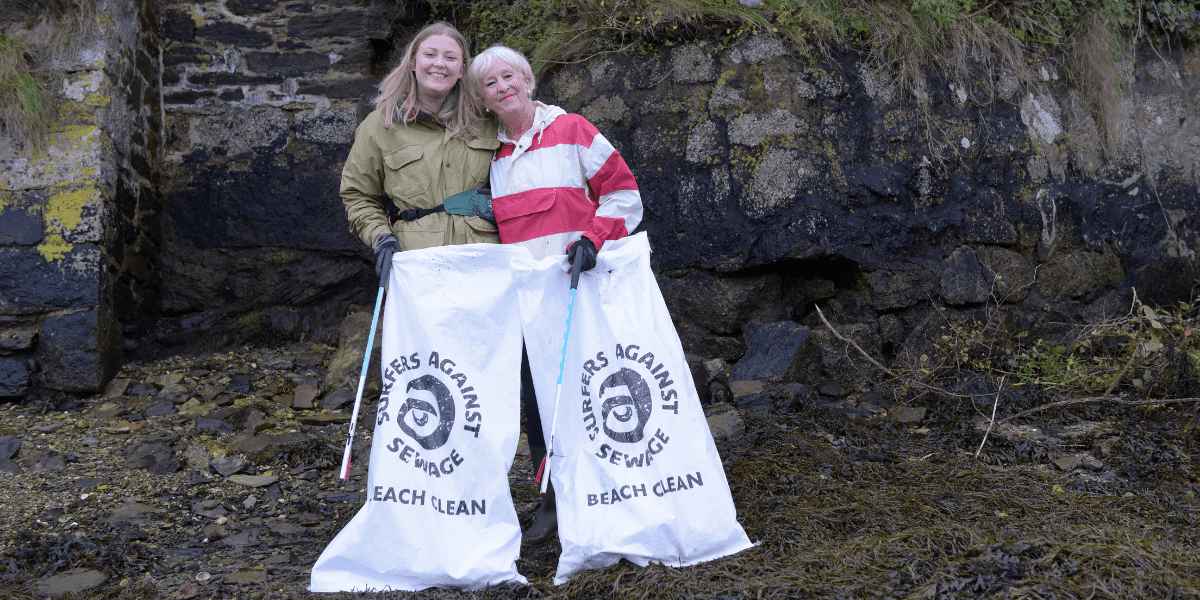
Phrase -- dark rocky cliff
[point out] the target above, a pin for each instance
(773, 184)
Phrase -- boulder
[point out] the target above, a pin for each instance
(80, 352)
(777, 353)
(14, 377)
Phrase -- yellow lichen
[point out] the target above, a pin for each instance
(54, 248)
(196, 15)
(98, 99)
(66, 208)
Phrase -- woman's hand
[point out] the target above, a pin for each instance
(588, 249)
(385, 246)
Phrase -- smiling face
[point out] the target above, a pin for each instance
(505, 90)
(437, 66)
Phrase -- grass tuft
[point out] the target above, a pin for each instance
(54, 30)
(971, 44)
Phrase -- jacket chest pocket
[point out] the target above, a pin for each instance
(478, 159)
(408, 176)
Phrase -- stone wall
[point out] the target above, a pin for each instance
(775, 184)
(78, 216)
(261, 101)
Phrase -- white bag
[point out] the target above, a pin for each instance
(635, 470)
(438, 509)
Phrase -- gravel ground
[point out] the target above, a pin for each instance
(158, 489)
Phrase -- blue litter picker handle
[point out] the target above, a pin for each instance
(544, 468)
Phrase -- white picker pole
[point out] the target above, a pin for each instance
(362, 378)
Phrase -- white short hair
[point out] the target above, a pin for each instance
(504, 54)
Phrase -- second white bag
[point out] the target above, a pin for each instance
(635, 470)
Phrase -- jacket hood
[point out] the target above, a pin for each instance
(543, 116)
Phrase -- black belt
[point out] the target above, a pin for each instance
(412, 214)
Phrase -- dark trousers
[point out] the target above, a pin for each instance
(531, 418)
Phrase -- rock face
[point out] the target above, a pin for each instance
(260, 108)
(773, 184)
(78, 216)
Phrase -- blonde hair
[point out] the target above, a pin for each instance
(484, 61)
(397, 98)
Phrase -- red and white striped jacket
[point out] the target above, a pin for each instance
(562, 179)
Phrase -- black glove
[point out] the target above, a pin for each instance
(588, 249)
(385, 246)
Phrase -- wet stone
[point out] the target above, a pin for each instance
(117, 387)
(213, 426)
(1070, 463)
(209, 508)
(263, 447)
(325, 419)
(760, 402)
(9, 445)
(211, 392)
(349, 497)
(240, 384)
(244, 538)
(134, 512)
(163, 381)
(173, 389)
(48, 461)
(829, 387)
(279, 363)
(254, 481)
(160, 409)
(775, 352)
(246, 577)
(907, 414)
(155, 456)
(105, 414)
(249, 419)
(282, 558)
(69, 582)
(288, 529)
(726, 426)
(304, 396)
(337, 399)
(228, 466)
(214, 531)
(140, 389)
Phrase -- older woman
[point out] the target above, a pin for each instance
(425, 141)
(558, 186)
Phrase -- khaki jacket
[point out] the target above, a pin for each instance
(417, 166)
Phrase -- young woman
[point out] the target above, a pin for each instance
(425, 141)
(557, 186)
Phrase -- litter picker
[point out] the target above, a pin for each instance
(544, 469)
(362, 379)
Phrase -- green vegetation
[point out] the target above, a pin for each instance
(972, 43)
(1147, 354)
(23, 99)
(930, 33)
(53, 29)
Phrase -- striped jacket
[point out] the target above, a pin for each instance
(562, 179)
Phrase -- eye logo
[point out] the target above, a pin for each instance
(625, 406)
(427, 415)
